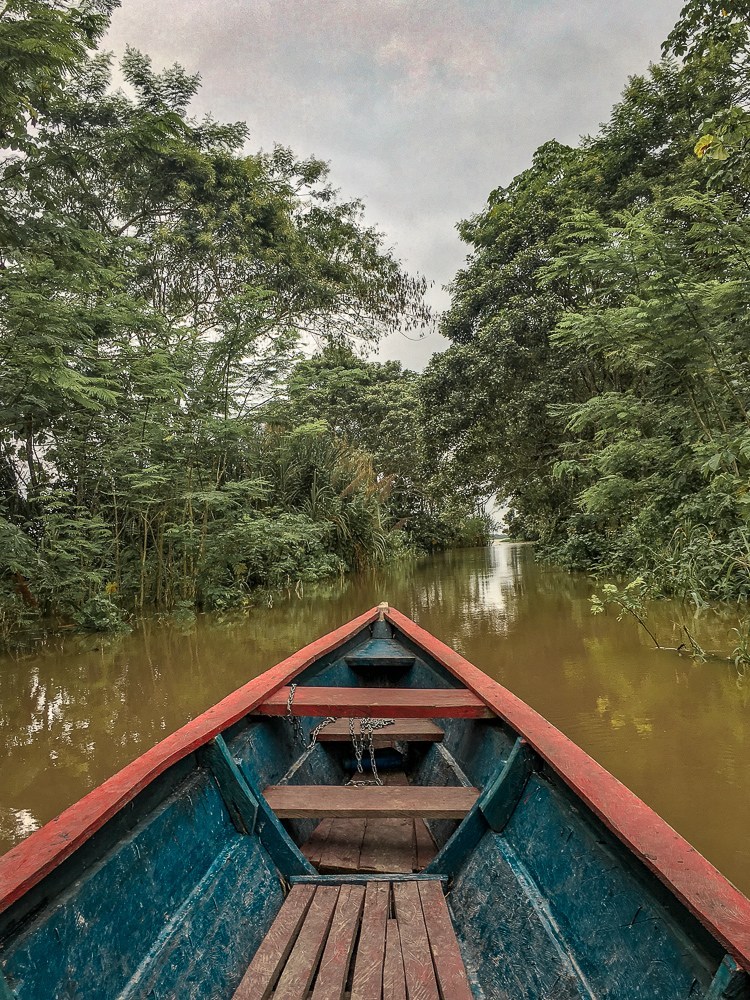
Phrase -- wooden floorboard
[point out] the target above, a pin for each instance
(315, 845)
(446, 955)
(302, 963)
(330, 982)
(419, 971)
(379, 941)
(394, 983)
(350, 848)
(388, 846)
(319, 801)
(266, 966)
(426, 848)
(353, 846)
(393, 778)
(377, 703)
(343, 847)
(367, 982)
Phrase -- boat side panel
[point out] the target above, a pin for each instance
(97, 934)
(480, 746)
(704, 892)
(627, 944)
(471, 753)
(31, 861)
(425, 672)
(83, 861)
(509, 947)
(205, 950)
(267, 753)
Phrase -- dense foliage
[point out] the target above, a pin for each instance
(156, 285)
(599, 374)
(378, 409)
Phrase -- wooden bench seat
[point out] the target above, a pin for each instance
(377, 703)
(380, 653)
(401, 731)
(382, 939)
(318, 801)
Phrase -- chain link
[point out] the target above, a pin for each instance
(292, 719)
(299, 733)
(366, 728)
(321, 725)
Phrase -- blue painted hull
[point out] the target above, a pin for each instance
(172, 895)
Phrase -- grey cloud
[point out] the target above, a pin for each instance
(421, 106)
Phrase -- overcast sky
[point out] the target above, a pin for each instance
(422, 107)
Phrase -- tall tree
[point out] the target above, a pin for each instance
(157, 282)
(377, 408)
(598, 367)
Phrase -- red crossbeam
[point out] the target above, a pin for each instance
(378, 703)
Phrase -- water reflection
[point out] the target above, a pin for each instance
(674, 730)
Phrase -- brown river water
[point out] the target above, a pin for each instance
(674, 730)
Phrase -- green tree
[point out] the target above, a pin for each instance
(157, 283)
(597, 376)
(377, 408)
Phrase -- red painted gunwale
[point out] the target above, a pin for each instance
(371, 702)
(27, 864)
(707, 894)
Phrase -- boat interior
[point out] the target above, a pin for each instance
(432, 768)
(274, 862)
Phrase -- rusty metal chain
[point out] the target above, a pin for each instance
(366, 728)
(365, 739)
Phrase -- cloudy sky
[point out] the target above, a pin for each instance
(421, 107)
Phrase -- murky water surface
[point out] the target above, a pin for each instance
(674, 730)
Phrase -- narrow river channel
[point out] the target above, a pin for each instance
(674, 730)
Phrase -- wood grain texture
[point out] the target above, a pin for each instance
(446, 955)
(377, 703)
(330, 982)
(299, 970)
(703, 890)
(395, 778)
(27, 863)
(315, 845)
(394, 982)
(264, 970)
(388, 846)
(363, 879)
(414, 955)
(316, 801)
(367, 982)
(403, 730)
(343, 846)
(415, 946)
(425, 845)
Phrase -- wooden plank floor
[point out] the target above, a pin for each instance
(360, 942)
(357, 846)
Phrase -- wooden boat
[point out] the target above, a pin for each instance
(496, 859)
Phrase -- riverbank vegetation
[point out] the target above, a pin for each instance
(164, 444)
(599, 367)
